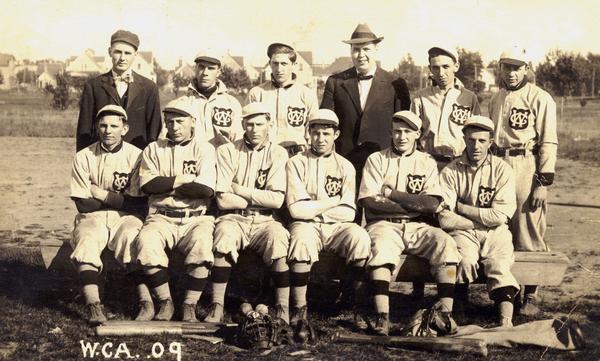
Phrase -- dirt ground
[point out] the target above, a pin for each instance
(34, 193)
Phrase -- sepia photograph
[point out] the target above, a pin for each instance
(284, 180)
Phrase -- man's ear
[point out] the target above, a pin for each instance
(336, 134)
(125, 129)
(457, 64)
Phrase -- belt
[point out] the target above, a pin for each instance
(179, 214)
(295, 149)
(397, 220)
(249, 212)
(513, 152)
(444, 158)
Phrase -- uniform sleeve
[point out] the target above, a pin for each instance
(372, 177)
(448, 186)
(328, 94)
(153, 117)
(431, 187)
(236, 119)
(296, 189)
(476, 109)
(312, 105)
(134, 188)
(545, 127)
(276, 179)
(85, 123)
(149, 165)
(402, 98)
(349, 187)
(225, 169)
(207, 171)
(505, 200)
(80, 177)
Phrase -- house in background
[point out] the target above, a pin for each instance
(47, 73)
(8, 64)
(236, 63)
(88, 64)
(488, 77)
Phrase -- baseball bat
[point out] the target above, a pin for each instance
(443, 344)
(141, 328)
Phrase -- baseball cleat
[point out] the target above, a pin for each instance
(165, 310)
(360, 321)
(282, 312)
(382, 324)
(529, 307)
(96, 313)
(146, 312)
(215, 313)
(188, 313)
(298, 314)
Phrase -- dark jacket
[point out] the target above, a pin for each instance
(140, 102)
(371, 128)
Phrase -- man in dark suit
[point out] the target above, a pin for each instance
(365, 98)
(121, 86)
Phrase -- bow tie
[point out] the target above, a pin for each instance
(365, 77)
(126, 78)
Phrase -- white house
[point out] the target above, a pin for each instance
(236, 63)
(88, 63)
(7, 70)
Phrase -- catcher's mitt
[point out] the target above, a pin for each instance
(261, 331)
(435, 321)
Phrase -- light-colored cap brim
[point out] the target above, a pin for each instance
(363, 40)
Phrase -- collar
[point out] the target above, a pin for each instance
(114, 150)
(126, 73)
(284, 86)
(312, 151)
(371, 72)
(408, 154)
(519, 86)
(253, 147)
(464, 159)
(183, 144)
(193, 90)
(458, 85)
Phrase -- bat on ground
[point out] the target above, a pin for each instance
(140, 328)
(434, 344)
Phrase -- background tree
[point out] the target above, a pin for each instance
(236, 80)
(180, 81)
(470, 69)
(61, 93)
(410, 72)
(565, 73)
(1, 78)
(26, 76)
(162, 75)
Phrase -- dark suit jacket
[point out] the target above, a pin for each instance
(143, 109)
(373, 125)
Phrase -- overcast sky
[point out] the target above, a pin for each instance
(180, 28)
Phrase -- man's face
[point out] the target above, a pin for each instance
(281, 67)
(443, 68)
(404, 136)
(179, 127)
(256, 128)
(122, 56)
(207, 74)
(364, 56)
(111, 130)
(477, 142)
(323, 138)
(512, 75)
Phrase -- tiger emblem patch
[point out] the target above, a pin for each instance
(415, 183)
(261, 179)
(190, 167)
(519, 118)
(120, 181)
(296, 116)
(333, 186)
(460, 114)
(485, 196)
(221, 117)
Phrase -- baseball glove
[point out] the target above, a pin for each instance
(432, 322)
(261, 331)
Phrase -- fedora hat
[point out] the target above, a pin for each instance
(363, 34)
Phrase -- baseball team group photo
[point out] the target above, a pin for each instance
(438, 203)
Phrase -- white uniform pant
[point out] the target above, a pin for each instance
(389, 240)
(105, 228)
(347, 240)
(493, 248)
(192, 236)
(261, 234)
(527, 225)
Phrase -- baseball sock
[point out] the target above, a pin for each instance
(299, 277)
(158, 280)
(531, 292)
(88, 275)
(219, 276)
(280, 273)
(141, 287)
(504, 297)
(446, 295)
(380, 288)
(193, 289)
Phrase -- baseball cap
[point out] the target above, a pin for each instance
(515, 55)
(363, 34)
(324, 116)
(251, 109)
(181, 106)
(125, 37)
(409, 118)
(113, 110)
(479, 121)
(208, 56)
(445, 49)
(272, 47)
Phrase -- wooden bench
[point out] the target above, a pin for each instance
(530, 268)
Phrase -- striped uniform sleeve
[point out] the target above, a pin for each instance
(225, 168)
(296, 189)
(80, 176)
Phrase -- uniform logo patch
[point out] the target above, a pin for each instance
(120, 181)
(261, 178)
(190, 167)
(485, 196)
(414, 183)
(333, 186)
(221, 116)
(460, 113)
(519, 118)
(295, 116)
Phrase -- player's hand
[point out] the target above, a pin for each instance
(459, 208)
(538, 197)
(98, 193)
(386, 191)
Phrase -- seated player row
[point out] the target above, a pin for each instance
(250, 180)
